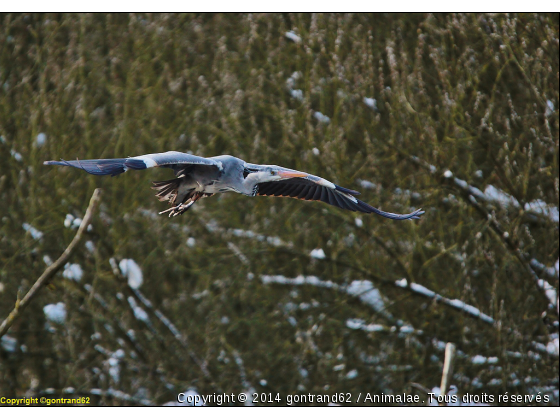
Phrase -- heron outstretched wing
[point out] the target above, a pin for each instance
(113, 167)
(313, 188)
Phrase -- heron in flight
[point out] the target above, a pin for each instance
(198, 177)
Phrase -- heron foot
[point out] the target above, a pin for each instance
(181, 208)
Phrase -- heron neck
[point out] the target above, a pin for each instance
(249, 184)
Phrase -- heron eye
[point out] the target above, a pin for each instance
(273, 172)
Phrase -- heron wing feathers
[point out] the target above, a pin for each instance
(313, 188)
(175, 158)
(113, 167)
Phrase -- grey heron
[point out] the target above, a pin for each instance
(198, 177)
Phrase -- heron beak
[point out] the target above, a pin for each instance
(289, 174)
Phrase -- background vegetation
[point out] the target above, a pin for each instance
(457, 114)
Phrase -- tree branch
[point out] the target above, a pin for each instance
(447, 368)
(51, 270)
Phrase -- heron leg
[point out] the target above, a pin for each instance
(183, 207)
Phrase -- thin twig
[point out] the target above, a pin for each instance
(181, 338)
(471, 196)
(421, 388)
(51, 270)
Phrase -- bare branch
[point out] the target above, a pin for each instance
(447, 368)
(51, 270)
(181, 338)
(471, 195)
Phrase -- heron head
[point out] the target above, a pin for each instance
(276, 174)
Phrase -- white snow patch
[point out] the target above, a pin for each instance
(318, 253)
(16, 155)
(367, 293)
(448, 174)
(551, 271)
(300, 281)
(41, 139)
(549, 108)
(407, 329)
(90, 246)
(141, 314)
(8, 343)
(133, 272)
(73, 272)
(360, 324)
(359, 222)
(272, 240)
(401, 283)
(371, 103)
(315, 151)
(553, 347)
(475, 192)
(367, 184)
(322, 118)
(55, 312)
(68, 220)
(471, 309)
(191, 242)
(539, 206)
(353, 374)
(47, 260)
(349, 240)
(291, 35)
(35, 233)
(438, 344)
(549, 291)
(418, 288)
(114, 369)
(480, 360)
(504, 199)
(355, 323)
(297, 94)
(291, 81)
(72, 222)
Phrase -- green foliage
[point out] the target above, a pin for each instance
(476, 95)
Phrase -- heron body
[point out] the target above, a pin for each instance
(197, 177)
